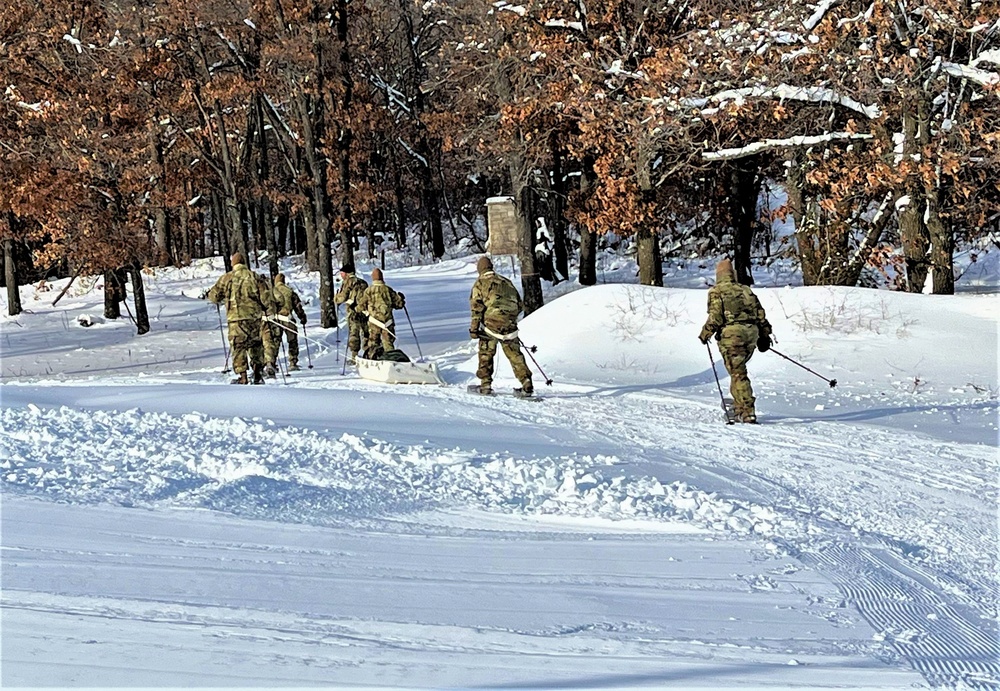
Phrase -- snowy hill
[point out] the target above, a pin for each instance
(161, 527)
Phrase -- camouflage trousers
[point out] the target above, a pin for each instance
(244, 337)
(290, 331)
(487, 353)
(379, 339)
(737, 344)
(271, 339)
(357, 329)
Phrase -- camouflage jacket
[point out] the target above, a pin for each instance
(267, 295)
(287, 302)
(350, 293)
(379, 300)
(495, 304)
(731, 303)
(242, 293)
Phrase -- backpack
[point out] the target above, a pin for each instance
(503, 300)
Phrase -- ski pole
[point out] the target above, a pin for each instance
(831, 382)
(722, 398)
(222, 332)
(305, 337)
(284, 354)
(342, 345)
(336, 314)
(277, 323)
(343, 367)
(407, 313)
(548, 382)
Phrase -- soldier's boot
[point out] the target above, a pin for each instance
(748, 416)
(270, 372)
(486, 388)
(241, 379)
(258, 374)
(293, 366)
(526, 390)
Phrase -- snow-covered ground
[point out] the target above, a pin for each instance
(160, 527)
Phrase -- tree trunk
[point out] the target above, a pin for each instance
(558, 222)
(744, 192)
(222, 230)
(161, 220)
(301, 232)
(912, 229)
(139, 298)
(648, 240)
(112, 296)
(345, 140)
(10, 275)
(588, 240)
(431, 198)
(942, 250)
(311, 236)
(531, 283)
(650, 262)
(265, 224)
(537, 213)
(400, 201)
(281, 221)
(806, 219)
(184, 234)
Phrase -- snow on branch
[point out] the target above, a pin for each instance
(394, 96)
(768, 144)
(280, 118)
(616, 69)
(564, 24)
(973, 74)
(817, 16)
(503, 5)
(787, 92)
(409, 150)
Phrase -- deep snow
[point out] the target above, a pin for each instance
(160, 527)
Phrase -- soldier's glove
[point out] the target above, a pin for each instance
(474, 335)
(303, 318)
(764, 342)
(704, 335)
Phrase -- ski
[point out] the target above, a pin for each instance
(474, 388)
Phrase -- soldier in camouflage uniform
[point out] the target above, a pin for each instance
(288, 301)
(495, 304)
(269, 334)
(352, 287)
(240, 291)
(738, 322)
(377, 303)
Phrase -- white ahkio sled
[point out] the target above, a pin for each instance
(391, 372)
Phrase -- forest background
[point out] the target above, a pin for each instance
(147, 133)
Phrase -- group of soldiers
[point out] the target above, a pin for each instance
(259, 315)
(371, 329)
